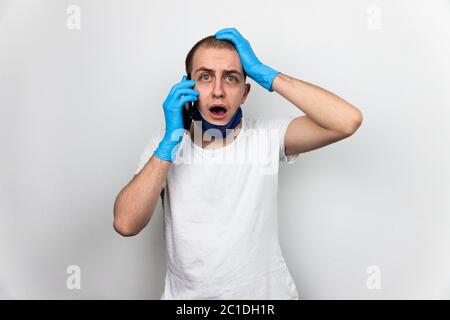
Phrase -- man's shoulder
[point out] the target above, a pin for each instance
(256, 122)
(266, 123)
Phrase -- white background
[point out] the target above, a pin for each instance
(77, 108)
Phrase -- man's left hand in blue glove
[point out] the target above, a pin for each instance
(255, 69)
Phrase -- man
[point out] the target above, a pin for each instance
(220, 217)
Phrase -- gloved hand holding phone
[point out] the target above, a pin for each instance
(180, 94)
(255, 69)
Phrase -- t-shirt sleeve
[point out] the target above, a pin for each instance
(150, 147)
(282, 124)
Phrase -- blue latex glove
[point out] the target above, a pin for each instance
(173, 114)
(255, 69)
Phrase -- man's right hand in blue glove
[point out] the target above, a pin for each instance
(180, 94)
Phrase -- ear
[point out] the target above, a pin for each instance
(246, 91)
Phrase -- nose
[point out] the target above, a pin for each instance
(217, 90)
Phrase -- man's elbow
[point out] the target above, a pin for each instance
(121, 224)
(354, 123)
(124, 229)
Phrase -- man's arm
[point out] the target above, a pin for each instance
(328, 118)
(136, 202)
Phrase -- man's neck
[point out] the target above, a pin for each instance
(206, 140)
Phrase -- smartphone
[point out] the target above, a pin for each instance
(187, 112)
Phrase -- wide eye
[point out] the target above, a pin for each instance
(204, 75)
(232, 78)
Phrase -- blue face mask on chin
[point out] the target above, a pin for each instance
(233, 123)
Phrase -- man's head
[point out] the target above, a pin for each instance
(219, 78)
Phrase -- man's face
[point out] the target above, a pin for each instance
(219, 79)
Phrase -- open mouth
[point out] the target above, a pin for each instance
(218, 112)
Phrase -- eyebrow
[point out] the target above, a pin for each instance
(212, 71)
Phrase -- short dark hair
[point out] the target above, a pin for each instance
(208, 42)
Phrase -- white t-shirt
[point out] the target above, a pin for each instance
(220, 216)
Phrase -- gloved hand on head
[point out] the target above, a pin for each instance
(255, 69)
(180, 94)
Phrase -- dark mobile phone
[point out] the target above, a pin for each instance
(187, 112)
